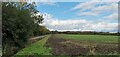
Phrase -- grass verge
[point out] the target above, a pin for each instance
(37, 48)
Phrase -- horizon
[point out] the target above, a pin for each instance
(79, 31)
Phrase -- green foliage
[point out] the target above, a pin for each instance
(44, 30)
(19, 23)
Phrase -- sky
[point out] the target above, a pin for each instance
(80, 16)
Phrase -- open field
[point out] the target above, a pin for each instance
(91, 38)
(68, 44)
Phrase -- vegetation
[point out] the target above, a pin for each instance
(37, 48)
(91, 38)
(67, 45)
(19, 22)
(85, 33)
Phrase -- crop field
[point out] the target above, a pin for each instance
(91, 38)
(66, 44)
(70, 44)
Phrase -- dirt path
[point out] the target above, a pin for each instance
(38, 37)
(32, 40)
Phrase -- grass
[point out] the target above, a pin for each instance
(72, 44)
(96, 44)
(91, 38)
(37, 48)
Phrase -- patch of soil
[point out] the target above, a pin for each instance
(65, 49)
(107, 49)
(62, 46)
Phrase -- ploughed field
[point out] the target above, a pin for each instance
(70, 44)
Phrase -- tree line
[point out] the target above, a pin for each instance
(19, 22)
(85, 32)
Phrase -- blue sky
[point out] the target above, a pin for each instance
(80, 16)
(59, 10)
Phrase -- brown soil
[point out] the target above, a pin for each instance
(65, 48)
(62, 46)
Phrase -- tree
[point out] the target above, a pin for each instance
(44, 30)
(19, 23)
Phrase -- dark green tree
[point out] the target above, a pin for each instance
(19, 23)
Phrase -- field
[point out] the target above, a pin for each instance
(69, 44)
(92, 38)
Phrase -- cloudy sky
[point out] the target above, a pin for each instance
(80, 16)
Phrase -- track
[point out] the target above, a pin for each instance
(38, 37)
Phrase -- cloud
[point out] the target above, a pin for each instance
(95, 8)
(77, 24)
(84, 5)
(104, 26)
(87, 14)
(54, 23)
(112, 16)
(51, 3)
(110, 6)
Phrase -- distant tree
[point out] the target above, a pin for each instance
(44, 30)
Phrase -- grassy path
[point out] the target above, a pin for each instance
(37, 48)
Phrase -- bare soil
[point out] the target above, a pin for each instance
(62, 46)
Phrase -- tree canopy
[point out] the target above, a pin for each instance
(19, 23)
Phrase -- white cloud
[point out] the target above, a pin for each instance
(112, 7)
(77, 24)
(84, 6)
(95, 10)
(104, 26)
(49, 3)
(53, 23)
(112, 16)
(88, 14)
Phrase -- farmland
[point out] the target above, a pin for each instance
(83, 44)
(91, 38)
(70, 44)
(32, 29)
